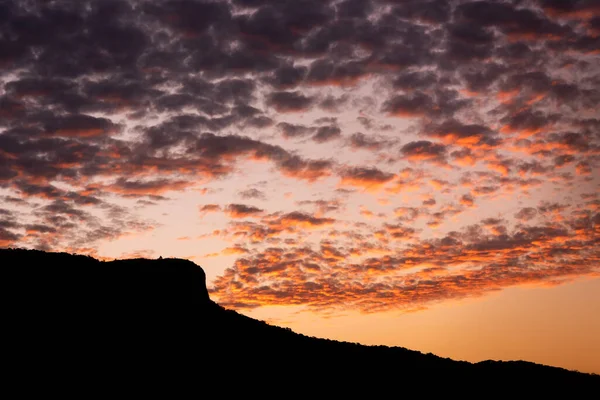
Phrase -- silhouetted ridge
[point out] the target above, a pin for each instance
(74, 320)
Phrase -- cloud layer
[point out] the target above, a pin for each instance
(369, 155)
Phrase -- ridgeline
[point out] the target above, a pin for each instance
(75, 324)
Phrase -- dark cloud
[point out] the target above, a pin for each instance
(452, 131)
(289, 101)
(354, 9)
(297, 219)
(190, 18)
(209, 208)
(143, 188)
(325, 72)
(416, 104)
(491, 221)
(287, 76)
(333, 104)
(309, 170)
(326, 134)
(79, 126)
(468, 42)
(242, 210)
(585, 9)
(481, 79)
(277, 25)
(471, 34)
(526, 214)
(293, 130)
(259, 122)
(563, 160)
(213, 146)
(536, 82)
(326, 120)
(250, 3)
(110, 103)
(359, 140)
(364, 177)
(516, 22)
(528, 122)
(401, 56)
(39, 228)
(234, 90)
(434, 11)
(424, 150)
(7, 238)
(419, 104)
(429, 202)
(467, 200)
(420, 80)
(367, 123)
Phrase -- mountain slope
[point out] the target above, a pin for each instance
(76, 318)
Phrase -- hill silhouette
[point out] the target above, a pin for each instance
(80, 325)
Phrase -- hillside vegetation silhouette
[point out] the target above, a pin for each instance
(76, 321)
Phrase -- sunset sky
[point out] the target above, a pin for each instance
(412, 173)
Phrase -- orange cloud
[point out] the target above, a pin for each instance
(234, 250)
(143, 187)
(296, 220)
(208, 208)
(467, 200)
(369, 179)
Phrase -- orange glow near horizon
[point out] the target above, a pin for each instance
(509, 325)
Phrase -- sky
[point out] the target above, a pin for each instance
(412, 173)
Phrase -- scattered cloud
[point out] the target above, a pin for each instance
(242, 211)
(345, 154)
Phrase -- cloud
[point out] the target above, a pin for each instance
(399, 231)
(421, 80)
(293, 130)
(252, 194)
(143, 188)
(234, 250)
(467, 200)
(433, 11)
(586, 9)
(209, 208)
(359, 140)
(436, 107)
(309, 170)
(297, 219)
(413, 105)
(520, 23)
(289, 101)
(322, 206)
(326, 134)
(232, 147)
(8, 238)
(407, 213)
(325, 72)
(287, 76)
(468, 135)
(526, 214)
(420, 270)
(371, 179)
(527, 123)
(242, 211)
(424, 150)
